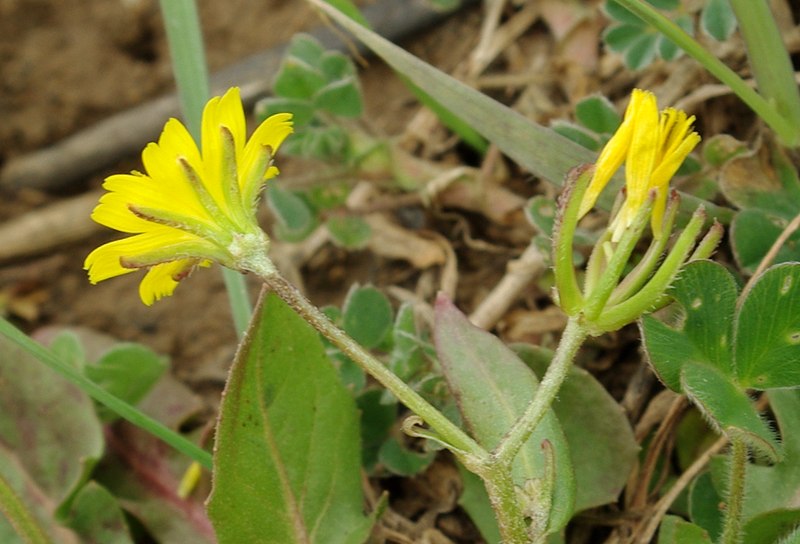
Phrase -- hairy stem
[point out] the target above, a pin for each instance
(737, 468)
(446, 429)
(572, 338)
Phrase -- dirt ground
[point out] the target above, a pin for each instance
(67, 66)
(64, 66)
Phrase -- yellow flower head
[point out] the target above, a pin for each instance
(190, 208)
(652, 146)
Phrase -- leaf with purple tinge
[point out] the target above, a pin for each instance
(492, 387)
(50, 437)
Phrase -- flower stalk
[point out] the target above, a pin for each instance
(449, 433)
(571, 340)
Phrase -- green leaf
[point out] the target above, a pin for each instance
(721, 148)
(350, 9)
(341, 97)
(728, 407)
(492, 387)
(377, 419)
(768, 330)
(302, 110)
(351, 375)
(402, 461)
(620, 37)
(349, 231)
(367, 316)
(775, 487)
(669, 50)
(754, 231)
(770, 527)
(287, 449)
(50, 437)
(598, 114)
(642, 51)
(576, 133)
(707, 294)
(407, 358)
(336, 66)
(692, 437)
(97, 517)
(674, 530)
(618, 12)
(68, 348)
(128, 371)
(306, 48)
(718, 20)
(541, 213)
(792, 538)
(295, 217)
(754, 345)
(704, 505)
(297, 79)
(324, 143)
(589, 415)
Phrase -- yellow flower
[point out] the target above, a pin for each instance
(653, 146)
(190, 208)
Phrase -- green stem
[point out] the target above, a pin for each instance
(572, 338)
(20, 518)
(185, 40)
(782, 126)
(118, 406)
(447, 430)
(503, 496)
(769, 59)
(737, 469)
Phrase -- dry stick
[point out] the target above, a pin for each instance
(51, 226)
(770, 256)
(124, 134)
(640, 494)
(519, 274)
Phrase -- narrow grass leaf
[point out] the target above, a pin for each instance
(533, 146)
